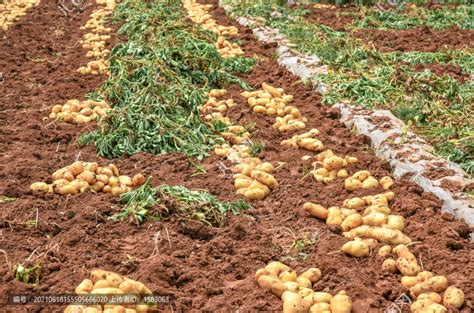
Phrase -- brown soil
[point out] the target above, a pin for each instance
(421, 39)
(439, 69)
(337, 18)
(206, 269)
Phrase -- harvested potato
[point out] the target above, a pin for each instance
(386, 182)
(84, 287)
(389, 266)
(431, 296)
(335, 216)
(410, 281)
(312, 274)
(294, 303)
(316, 210)
(41, 187)
(352, 184)
(341, 303)
(352, 221)
(396, 222)
(322, 297)
(276, 268)
(357, 248)
(320, 308)
(288, 275)
(304, 282)
(433, 284)
(354, 203)
(272, 285)
(385, 250)
(453, 297)
(291, 286)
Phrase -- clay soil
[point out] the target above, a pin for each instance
(204, 268)
(422, 39)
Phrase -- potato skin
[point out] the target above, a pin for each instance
(389, 266)
(271, 284)
(294, 303)
(356, 248)
(313, 274)
(316, 210)
(433, 284)
(84, 287)
(453, 297)
(341, 303)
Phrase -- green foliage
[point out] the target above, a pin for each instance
(28, 275)
(437, 106)
(158, 80)
(167, 201)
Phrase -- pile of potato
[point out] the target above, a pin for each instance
(227, 49)
(12, 10)
(80, 112)
(366, 217)
(305, 141)
(329, 166)
(273, 101)
(95, 40)
(214, 104)
(237, 137)
(296, 290)
(365, 180)
(199, 14)
(254, 179)
(82, 176)
(423, 285)
(105, 283)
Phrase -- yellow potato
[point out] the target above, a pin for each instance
(304, 282)
(243, 182)
(351, 160)
(375, 219)
(385, 251)
(87, 176)
(68, 190)
(420, 304)
(453, 297)
(386, 182)
(432, 296)
(342, 173)
(264, 178)
(125, 180)
(322, 297)
(107, 291)
(262, 271)
(313, 274)
(370, 182)
(348, 212)
(410, 281)
(291, 286)
(76, 168)
(288, 275)
(396, 222)
(254, 193)
(361, 175)
(272, 285)
(276, 268)
(333, 163)
(354, 203)
(433, 284)
(320, 308)
(316, 210)
(433, 308)
(102, 283)
(341, 303)
(389, 266)
(356, 248)
(352, 221)
(352, 184)
(85, 286)
(294, 303)
(335, 216)
(98, 275)
(40, 186)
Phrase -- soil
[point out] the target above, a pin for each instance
(439, 69)
(423, 39)
(204, 268)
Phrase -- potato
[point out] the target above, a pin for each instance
(91, 166)
(370, 182)
(432, 296)
(385, 250)
(288, 275)
(348, 212)
(271, 284)
(354, 203)
(85, 286)
(114, 169)
(107, 291)
(40, 186)
(254, 193)
(361, 175)
(320, 308)
(379, 200)
(276, 268)
(87, 176)
(304, 282)
(294, 303)
(352, 184)
(342, 173)
(141, 308)
(75, 308)
(410, 281)
(76, 168)
(322, 297)
(433, 284)
(132, 286)
(453, 297)
(420, 304)
(433, 308)
(385, 210)
(313, 274)
(306, 293)
(291, 286)
(351, 160)
(264, 178)
(262, 271)
(316, 210)
(98, 275)
(125, 180)
(375, 219)
(243, 182)
(68, 190)
(333, 163)
(407, 266)
(356, 248)
(341, 303)
(351, 222)
(97, 186)
(334, 216)
(320, 171)
(102, 283)
(386, 182)
(389, 266)
(396, 222)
